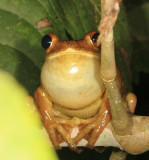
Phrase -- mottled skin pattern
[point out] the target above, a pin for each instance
(72, 94)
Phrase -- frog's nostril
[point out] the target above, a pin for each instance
(46, 41)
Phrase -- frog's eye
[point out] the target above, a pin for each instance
(94, 37)
(46, 41)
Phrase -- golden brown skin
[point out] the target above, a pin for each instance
(70, 74)
(72, 92)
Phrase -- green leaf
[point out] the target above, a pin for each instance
(20, 131)
(20, 35)
(70, 19)
(20, 66)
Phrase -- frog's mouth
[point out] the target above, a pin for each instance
(84, 113)
(72, 51)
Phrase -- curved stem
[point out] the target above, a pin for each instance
(121, 121)
(108, 66)
(119, 155)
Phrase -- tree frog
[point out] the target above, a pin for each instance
(72, 93)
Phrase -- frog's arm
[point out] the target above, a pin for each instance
(45, 108)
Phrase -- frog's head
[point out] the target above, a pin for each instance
(71, 72)
(53, 45)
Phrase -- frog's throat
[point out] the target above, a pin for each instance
(84, 113)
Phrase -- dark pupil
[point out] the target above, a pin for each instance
(95, 36)
(46, 41)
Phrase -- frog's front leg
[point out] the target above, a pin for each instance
(56, 131)
(94, 126)
(104, 117)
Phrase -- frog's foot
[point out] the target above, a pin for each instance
(131, 100)
(62, 131)
(101, 122)
(59, 134)
(91, 131)
(54, 137)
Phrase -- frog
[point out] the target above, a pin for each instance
(72, 93)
